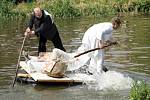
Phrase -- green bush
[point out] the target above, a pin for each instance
(62, 8)
(140, 91)
(75, 8)
(5, 7)
(6, 11)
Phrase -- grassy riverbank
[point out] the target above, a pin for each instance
(75, 8)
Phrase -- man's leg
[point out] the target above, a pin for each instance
(96, 63)
(42, 44)
(57, 42)
(92, 66)
(100, 62)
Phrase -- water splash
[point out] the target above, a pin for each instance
(111, 80)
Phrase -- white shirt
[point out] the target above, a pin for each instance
(101, 31)
(49, 15)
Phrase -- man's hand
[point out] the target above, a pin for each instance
(29, 33)
(32, 32)
(111, 42)
(108, 42)
(26, 34)
(28, 30)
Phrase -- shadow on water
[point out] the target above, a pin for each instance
(131, 58)
(47, 85)
(54, 86)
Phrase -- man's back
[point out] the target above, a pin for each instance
(97, 31)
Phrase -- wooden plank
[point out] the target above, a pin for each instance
(23, 75)
(41, 77)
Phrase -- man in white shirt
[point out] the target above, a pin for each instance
(97, 36)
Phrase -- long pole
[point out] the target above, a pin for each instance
(112, 43)
(17, 66)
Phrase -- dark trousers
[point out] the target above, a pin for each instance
(42, 44)
(56, 41)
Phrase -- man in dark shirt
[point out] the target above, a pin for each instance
(44, 28)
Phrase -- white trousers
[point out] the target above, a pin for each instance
(96, 58)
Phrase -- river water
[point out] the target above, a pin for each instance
(130, 59)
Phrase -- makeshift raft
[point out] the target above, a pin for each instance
(39, 77)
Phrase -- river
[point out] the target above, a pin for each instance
(130, 58)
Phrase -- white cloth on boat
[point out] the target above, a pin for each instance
(35, 66)
(62, 56)
(39, 67)
(68, 58)
(78, 62)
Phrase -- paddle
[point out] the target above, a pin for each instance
(109, 44)
(17, 66)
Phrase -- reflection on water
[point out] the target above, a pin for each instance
(130, 57)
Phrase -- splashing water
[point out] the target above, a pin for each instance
(111, 80)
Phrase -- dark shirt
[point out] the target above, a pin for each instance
(43, 26)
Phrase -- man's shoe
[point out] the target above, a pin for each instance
(105, 69)
(89, 73)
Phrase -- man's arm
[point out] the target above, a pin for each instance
(31, 22)
(30, 26)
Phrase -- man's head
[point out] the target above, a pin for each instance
(38, 12)
(116, 21)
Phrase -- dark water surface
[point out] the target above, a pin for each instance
(131, 56)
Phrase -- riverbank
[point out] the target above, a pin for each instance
(76, 8)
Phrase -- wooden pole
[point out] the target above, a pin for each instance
(17, 66)
(112, 43)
